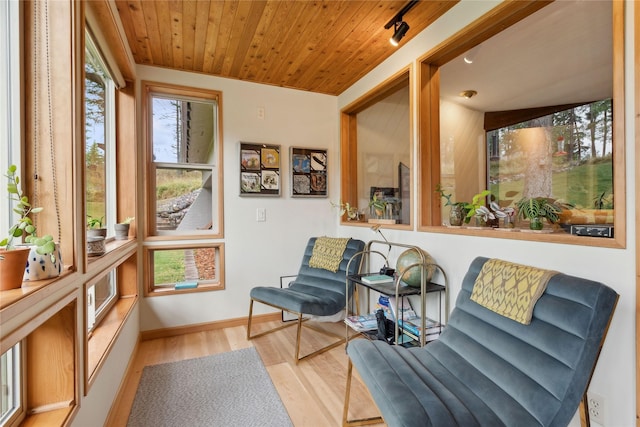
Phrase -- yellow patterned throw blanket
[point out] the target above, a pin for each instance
(509, 289)
(327, 253)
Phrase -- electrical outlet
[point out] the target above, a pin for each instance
(261, 214)
(596, 408)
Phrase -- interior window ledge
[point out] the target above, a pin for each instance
(556, 237)
(116, 251)
(101, 339)
(55, 417)
(29, 289)
(202, 287)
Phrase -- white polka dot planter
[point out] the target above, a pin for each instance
(40, 267)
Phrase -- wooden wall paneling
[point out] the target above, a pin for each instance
(51, 363)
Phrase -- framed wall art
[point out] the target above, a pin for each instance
(259, 169)
(308, 172)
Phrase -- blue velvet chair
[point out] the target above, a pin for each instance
(488, 370)
(314, 292)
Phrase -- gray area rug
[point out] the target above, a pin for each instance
(227, 389)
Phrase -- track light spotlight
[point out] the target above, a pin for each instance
(400, 29)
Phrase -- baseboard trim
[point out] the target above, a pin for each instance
(128, 373)
(209, 326)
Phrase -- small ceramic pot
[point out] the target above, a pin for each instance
(40, 267)
(122, 231)
(95, 246)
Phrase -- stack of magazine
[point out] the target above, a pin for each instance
(362, 323)
(411, 323)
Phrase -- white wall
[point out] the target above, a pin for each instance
(614, 378)
(256, 253)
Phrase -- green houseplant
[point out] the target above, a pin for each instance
(535, 209)
(458, 212)
(379, 206)
(13, 256)
(478, 209)
(95, 227)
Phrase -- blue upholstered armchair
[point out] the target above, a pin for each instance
(487, 369)
(318, 290)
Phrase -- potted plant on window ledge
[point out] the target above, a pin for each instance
(122, 228)
(15, 257)
(96, 235)
(535, 209)
(458, 212)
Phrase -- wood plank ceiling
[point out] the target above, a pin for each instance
(313, 45)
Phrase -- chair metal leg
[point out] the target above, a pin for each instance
(249, 320)
(249, 337)
(300, 323)
(345, 412)
(585, 421)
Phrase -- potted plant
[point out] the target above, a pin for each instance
(457, 212)
(352, 212)
(378, 206)
(96, 235)
(14, 256)
(95, 228)
(603, 206)
(478, 209)
(122, 228)
(535, 209)
(507, 213)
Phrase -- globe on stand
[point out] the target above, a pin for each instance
(412, 276)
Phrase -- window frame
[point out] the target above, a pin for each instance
(15, 364)
(501, 17)
(349, 143)
(209, 285)
(111, 205)
(10, 98)
(148, 89)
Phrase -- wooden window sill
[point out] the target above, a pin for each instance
(55, 417)
(29, 287)
(547, 237)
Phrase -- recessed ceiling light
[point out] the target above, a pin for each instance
(468, 93)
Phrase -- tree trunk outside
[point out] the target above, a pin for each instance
(536, 144)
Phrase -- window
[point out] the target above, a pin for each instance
(100, 297)
(184, 191)
(9, 98)
(10, 402)
(376, 153)
(185, 162)
(99, 139)
(565, 155)
(187, 268)
(466, 142)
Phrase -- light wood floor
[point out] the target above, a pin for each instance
(312, 391)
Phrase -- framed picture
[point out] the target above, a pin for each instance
(259, 169)
(308, 172)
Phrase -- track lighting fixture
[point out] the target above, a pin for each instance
(400, 27)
